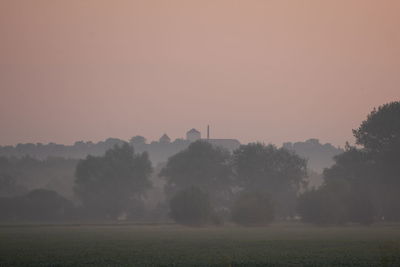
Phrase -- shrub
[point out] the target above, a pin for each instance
(329, 206)
(252, 209)
(191, 207)
(38, 205)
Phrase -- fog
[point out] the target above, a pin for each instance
(27, 168)
(199, 133)
(203, 181)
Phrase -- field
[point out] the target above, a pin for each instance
(170, 245)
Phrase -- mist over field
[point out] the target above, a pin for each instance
(199, 133)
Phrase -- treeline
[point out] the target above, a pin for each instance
(159, 151)
(20, 175)
(78, 150)
(204, 184)
(319, 155)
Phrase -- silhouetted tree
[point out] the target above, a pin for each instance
(380, 132)
(191, 206)
(39, 205)
(252, 208)
(379, 135)
(336, 203)
(326, 205)
(355, 169)
(111, 184)
(8, 180)
(201, 165)
(138, 140)
(46, 205)
(361, 207)
(278, 173)
(371, 175)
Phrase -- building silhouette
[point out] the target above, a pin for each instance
(193, 135)
(164, 139)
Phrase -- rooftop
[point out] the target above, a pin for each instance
(193, 130)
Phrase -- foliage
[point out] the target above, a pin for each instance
(202, 165)
(19, 175)
(138, 140)
(8, 179)
(327, 206)
(322, 207)
(44, 205)
(191, 207)
(40, 205)
(368, 177)
(111, 184)
(380, 132)
(379, 136)
(276, 172)
(344, 195)
(41, 151)
(252, 208)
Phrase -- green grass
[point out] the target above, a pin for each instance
(129, 245)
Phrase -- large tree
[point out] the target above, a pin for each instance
(252, 208)
(346, 194)
(269, 170)
(201, 165)
(371, 173)
(380, 132)
(379, 136)
(112, 184)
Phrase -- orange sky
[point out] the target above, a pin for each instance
(263, 70)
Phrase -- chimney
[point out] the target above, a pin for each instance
(208, 132)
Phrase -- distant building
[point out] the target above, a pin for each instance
(193, 135)
(165, 139)
(159, 151)
(229, 144)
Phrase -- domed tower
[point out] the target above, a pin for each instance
(193, 135)
(165, 139)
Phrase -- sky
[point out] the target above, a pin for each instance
(256, 70)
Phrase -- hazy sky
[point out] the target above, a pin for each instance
(263, 70)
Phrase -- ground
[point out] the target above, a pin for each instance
(171, 245)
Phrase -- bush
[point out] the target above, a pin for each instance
(361, 208)
(329, 206)
(38, 205)
(47, 205)
(252, 209)
(191, 207)
(321, 207)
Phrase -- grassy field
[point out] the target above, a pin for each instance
(169, 245)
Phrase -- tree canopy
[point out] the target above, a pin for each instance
(202, 165)
(380, 132)
(111, 184)
(191, 206)
(363, 185)
(252, 208)
(267, 169)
